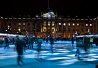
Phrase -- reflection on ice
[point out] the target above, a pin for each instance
(91, 54)
(72, 55)
(95, 56)
(68, 62)
(33, 56)
(89, 59)
(58, 58)
(6, 57)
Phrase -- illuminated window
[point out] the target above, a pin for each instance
(52, 23)
(44, 29)
(5, 30)
(48, 23)
(53, 30)
(88, 30)
(68, 24)
(44, 23)
(19, 29)
(8, 26)
(77, 24)
(86, 24)
(90, 24)
(73, 24)
(23, 23)
(64, 24)
(19, 23)
(59, 23)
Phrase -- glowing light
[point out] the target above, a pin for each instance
(5, 30)
(77, 24)
(44, 29)
(23, 23)
(49, 15)
(8, 26)
(64, 24)
(44, 23)
(19, 29)
(90, 24)
(86, 24)
(73, 24)
(48, 24)
(52, 24)
(59, 23)
(19, 23)
(88, 30)
(69, 24)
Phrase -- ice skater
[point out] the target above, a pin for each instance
(51, 44)
(77, 53)
(39, 42)
(19, 48)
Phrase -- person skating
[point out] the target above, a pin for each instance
(19, 48)
(77, 53)
(39, 42)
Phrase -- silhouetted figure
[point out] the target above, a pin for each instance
(72, 41)
(6, 42)
(27, 41)
(13, 40)
(32, 40)
(46, 39)
(96, 66)
(77, 53)
(96, 41)
(86, 44)
(39, 42)
(51, 43)
(19, 48)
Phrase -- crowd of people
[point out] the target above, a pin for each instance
(85, 42)
(26, 42)
(22, 43)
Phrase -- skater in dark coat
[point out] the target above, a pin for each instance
(19, 48)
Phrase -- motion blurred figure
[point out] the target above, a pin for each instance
(72, 41)
(77, 53)
(51, 43)
(6, 40)
(19, 48)
(39, 42)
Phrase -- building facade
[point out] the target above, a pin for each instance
(46, 25)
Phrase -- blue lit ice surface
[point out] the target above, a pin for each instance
(65, 42)
(58, 58)
(62, 56)
(7, 56)
(68, 62)
(89, 59)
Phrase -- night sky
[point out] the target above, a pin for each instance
(72, 8)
